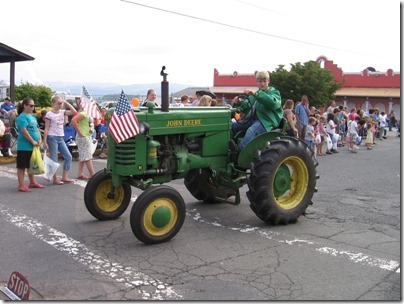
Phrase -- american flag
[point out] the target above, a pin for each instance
(123, 124)
(89, 104)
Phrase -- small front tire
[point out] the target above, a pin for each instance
(100, 202)
(157, 215)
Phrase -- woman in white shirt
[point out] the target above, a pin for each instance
(54, 136)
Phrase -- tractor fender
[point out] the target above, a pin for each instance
(248, 153)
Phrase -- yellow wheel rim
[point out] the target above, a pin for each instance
(160, 216)
(297, 179)
(105, 203)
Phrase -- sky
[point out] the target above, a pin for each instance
(127, 42)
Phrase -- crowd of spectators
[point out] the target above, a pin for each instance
(328, 132)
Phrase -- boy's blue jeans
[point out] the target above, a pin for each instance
(254, 128)
(57, 144)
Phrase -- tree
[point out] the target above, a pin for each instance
(305, 79)
(40, 94)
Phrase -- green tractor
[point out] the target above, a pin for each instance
(192, 143)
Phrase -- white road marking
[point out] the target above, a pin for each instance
(355, 257)
(358, 257)
(79, 252)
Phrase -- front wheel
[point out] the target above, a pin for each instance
(101, 202)
(157, 215)
(282, 181)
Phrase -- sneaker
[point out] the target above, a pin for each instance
(356, 147)
(354, 151)
(334, 151)
(9, 152)
(234, 151)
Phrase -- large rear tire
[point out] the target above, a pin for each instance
(201, 185)
(100, 202)
(282, 181)
(157, 215)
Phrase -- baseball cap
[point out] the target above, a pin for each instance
(7, 98)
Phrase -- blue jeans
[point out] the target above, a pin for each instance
(254, 128)
(57, 144)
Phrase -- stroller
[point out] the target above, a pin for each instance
(101, 137)
(70, 138)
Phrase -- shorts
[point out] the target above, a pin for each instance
(23, 159)
(353, 136)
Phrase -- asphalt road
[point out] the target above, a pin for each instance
(347, 247)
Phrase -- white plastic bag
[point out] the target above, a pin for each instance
(329, 142)
(50, 167)
(335, 144)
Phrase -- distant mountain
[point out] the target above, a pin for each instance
(100, 89)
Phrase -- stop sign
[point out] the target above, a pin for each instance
(19, 285)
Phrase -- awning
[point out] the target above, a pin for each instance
(231, 90)
(8, 54)
(369, 92)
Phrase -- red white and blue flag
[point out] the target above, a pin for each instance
(89, 104)
(123, 123)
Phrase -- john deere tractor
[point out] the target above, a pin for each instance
(192, 144)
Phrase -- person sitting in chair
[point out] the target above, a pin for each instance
(5, 140)
(9, 110)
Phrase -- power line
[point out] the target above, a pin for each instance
(238, 27)
(261, 8)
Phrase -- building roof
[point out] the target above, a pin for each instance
(8, 53)
(231, 90)
(369, 92)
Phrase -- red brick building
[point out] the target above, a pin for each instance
(367, 89)
(364, 90)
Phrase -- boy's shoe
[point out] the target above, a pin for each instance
(234, 151)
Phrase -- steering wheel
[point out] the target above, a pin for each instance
(246, 119)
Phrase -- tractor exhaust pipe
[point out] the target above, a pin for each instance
(164, 91)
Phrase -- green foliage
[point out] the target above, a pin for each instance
(40, 94)
(305, 79)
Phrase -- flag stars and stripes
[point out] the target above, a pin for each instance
(124, 123)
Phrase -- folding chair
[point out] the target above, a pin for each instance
(14, 136)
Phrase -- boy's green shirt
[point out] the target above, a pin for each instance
(268, 107)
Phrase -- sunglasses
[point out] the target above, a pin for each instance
(32, 106)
